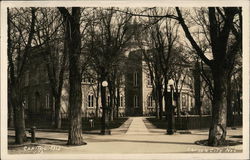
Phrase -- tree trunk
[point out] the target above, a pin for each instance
(118, 102)
(19, 121)
(166, 98)
(111, 112)
(75, 91)
(75, 101)
(160, 107)
(159, 90)
(239, 102)
(229, 103)
(178, 105)
(58, 120)
(10, 114)
(156, 102)
(105, 111)
(19, 125)
(97, 100)
(170, 115)
(197, 88)
(177, 97)
(217, 132)
(111, 101)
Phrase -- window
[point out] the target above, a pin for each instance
(150, 101)
(136, 102)
(149, 80)
(91, 101)
(84, 79)
(135, 79)
(184, 100)
(26, 79)
(121, 101)
(88, 80)
(47, 101)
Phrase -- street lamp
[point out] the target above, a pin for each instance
(170, 109)
(105, 84)
(105, 112)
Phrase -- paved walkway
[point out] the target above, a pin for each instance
(132, 137)
(137, 127)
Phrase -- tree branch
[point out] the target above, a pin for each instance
(191, 39)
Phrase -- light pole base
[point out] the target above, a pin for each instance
(105, 132)
(170, 132)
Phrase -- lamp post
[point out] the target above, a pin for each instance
(105, 111)
(170, 109)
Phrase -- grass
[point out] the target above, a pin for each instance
(97, 124)
(44, 145)
(161, 124)
(85, 124)
(183, 123)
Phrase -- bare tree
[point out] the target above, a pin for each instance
(21, 31)
(49, 35)
(72, 24)
(109, 34)
(161, 39)
(221, 23)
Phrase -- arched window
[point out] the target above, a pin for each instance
(91, 100)
(47, 101)
(150, 101)
(135, 79)
(121, 101)
(136, 101)
(149, 80)
(184, 101)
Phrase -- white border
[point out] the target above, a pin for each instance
(128, 3)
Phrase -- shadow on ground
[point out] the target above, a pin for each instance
(227, 143)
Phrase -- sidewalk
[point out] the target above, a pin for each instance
(63, 134)
(137, 127)
(137, 139)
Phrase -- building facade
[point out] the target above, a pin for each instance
(136, 94)
(37, 93)
(139, 89)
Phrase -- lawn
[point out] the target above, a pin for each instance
(161, 124)
(184, 122)
(97, 123)
(85, 124)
